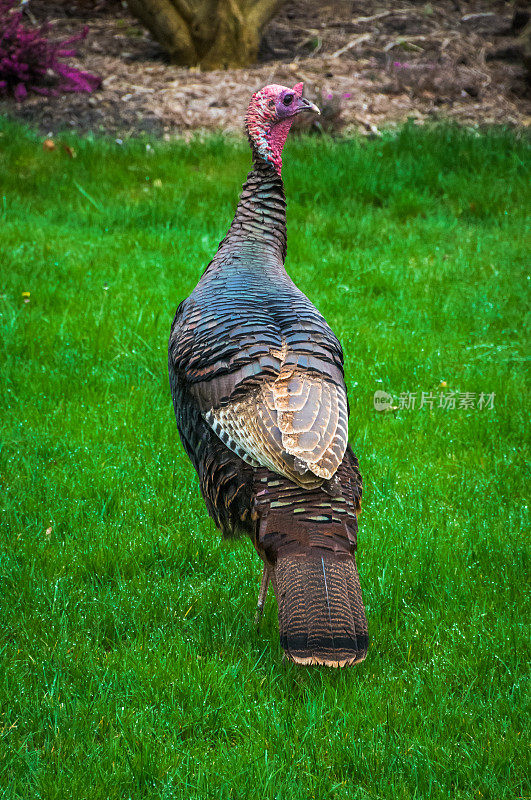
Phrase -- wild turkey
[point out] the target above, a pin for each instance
(256, 377)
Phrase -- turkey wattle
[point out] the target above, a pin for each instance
(256, 377)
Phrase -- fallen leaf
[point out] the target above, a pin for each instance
(48, 144)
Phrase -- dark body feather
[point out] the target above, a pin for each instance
(256, 376)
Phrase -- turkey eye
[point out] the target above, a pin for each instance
(288, 100)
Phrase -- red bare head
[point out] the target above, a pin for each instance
(269, 118)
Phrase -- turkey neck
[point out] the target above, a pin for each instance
(259, 224)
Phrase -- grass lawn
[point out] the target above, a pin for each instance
(129, 663)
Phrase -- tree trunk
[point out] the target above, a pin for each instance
(212, 34)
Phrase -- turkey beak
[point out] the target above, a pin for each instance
(306, 105)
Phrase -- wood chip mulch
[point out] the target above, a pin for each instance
(367, 64)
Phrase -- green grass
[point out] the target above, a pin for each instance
(129, 665)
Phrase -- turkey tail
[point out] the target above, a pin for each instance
(320, 608)
(308, 537)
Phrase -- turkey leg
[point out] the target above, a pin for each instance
(262, 594)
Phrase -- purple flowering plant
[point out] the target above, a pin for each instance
(28, 59)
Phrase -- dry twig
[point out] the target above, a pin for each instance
(353, 43)
(381, 15)
(468, 17)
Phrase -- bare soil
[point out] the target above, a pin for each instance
(368, 64)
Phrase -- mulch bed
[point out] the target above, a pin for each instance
(367, 64)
